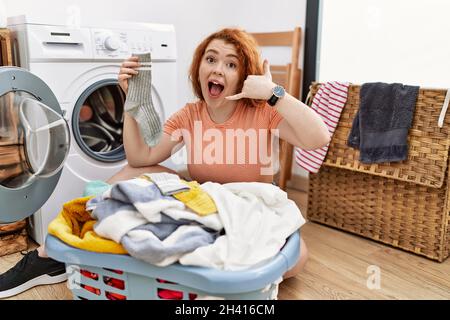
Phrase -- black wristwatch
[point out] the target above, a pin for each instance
(278, 92)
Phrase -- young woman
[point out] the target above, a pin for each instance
(234, 89)
(228, 134)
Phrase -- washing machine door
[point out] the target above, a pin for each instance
(34, 143)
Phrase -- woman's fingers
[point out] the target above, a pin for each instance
(131, 64)
(124, 76)
(130, 71)
(127, 71)
(236, 96)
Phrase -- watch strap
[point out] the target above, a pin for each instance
(272, 100)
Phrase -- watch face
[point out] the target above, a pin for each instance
(278, 91)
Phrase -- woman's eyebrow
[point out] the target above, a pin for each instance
(217, 52)
(232, 56)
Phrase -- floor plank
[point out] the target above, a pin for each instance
(339, 261)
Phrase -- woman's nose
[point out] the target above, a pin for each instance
(218, 69)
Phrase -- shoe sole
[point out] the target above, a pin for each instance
(41, 280)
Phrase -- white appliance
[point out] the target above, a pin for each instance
(81, 65)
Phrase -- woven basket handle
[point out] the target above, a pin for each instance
(444, 109)
(308, 98)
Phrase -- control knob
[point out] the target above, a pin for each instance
(112, 43)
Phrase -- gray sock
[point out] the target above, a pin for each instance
(139, 103)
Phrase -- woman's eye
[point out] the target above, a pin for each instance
(210, 59)
(232, 65)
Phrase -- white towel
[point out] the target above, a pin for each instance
(257, 218)
(328, 102)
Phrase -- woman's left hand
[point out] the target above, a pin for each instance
(257, 87)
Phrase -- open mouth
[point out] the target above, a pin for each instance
(215, 88)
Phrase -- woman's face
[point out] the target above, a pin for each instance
(219, 72)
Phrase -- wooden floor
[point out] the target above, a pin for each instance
(338, 268)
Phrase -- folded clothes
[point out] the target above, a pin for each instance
(251, 226)
(152, 227)
(168, 183)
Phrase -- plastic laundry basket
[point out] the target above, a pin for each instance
(97, 276)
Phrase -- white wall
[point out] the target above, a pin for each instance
(383, 40)
(193, 20)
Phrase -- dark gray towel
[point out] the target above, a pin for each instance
(380, 129)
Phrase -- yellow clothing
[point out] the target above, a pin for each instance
(74, 226)
(197, 200)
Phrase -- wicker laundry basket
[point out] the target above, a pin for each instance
(404, 204)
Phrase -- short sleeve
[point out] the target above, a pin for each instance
(176, 121)
(274, 117)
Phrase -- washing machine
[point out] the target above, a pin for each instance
(80, 66)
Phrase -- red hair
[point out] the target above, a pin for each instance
(247, 51)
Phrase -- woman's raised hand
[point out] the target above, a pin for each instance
(127, 70)
(257, 87)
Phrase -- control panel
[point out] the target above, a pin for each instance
(120, 44)
(112, 42)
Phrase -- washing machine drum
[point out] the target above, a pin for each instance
(34, 143)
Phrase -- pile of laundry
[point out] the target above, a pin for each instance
(162, 219)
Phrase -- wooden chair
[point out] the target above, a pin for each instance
(289, 76)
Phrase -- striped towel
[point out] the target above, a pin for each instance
(328, 102)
